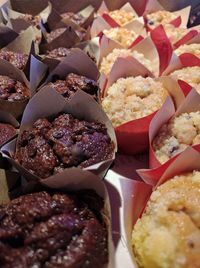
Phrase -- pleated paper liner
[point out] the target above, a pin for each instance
(38, 107)
(190, 104)
(78, 181)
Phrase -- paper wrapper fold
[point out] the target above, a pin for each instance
(88, 110)
(34, 7)
(168, 110)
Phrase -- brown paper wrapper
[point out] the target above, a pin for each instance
(88, 110)
(7, 35)
(34, 7)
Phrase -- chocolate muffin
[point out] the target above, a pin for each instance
(19, 60)
(54, 145)
(75, 18)
(73, 82)
(7, 132)
(13, 90)
(56, 33)
(53, 230)
(58, 53)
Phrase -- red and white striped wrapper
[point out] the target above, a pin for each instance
(168, 111)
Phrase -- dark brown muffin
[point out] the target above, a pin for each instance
(53, 230)
(74, 82)
(7, 131)
(13, 90)
(51, 146)
(56, 33)
(58, 53)
(19, 60)
(75, 18)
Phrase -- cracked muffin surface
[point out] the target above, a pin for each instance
(168, 233)
(53, 230)
(52, 146)
(7, 131)
(19, 60)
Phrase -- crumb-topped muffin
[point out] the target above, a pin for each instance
(190, 75)
(159, 17)
(52, 146)
(191, 48)
(13, 90)
(53, 230)
(58, 53)
(108, 61)
(57, 32)
(176, 135)
(121, 35)
(168, 234)
(175, 33)
(7, 131)
(122, 17)
(75, 18)
(73, 82)
(133, 98)
(19, 60)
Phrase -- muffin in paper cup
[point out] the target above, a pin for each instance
(186, 112)
(88, 110)
(130, 199)
(169, 225)
(132, 135)
(110, 52)
(83, 187)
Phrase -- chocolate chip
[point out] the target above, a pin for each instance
(58, 134)
(191, 244)
(150, 22)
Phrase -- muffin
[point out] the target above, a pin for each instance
(122, 17)
(168, 234)
(51, 146)
(13, 90)
(121, 35)
(56, 33)
(133, 98)
(176, 135)
(191, 48)
(175, 34)
(75, 18)
(19, 60)
(33, 20)
(73, 82)
(190, 75)
(7, 132)
(58, 53)
(108, 61)
(159, 17)
(53, 230)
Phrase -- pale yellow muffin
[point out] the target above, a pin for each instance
(132, 98)
(190, 75)
(122, 17)
(168, 233)
(108, 61)
(191, 48)
(176, 135)
(175, 33)
(123, 36)
(160, 17)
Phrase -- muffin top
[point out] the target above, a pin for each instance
(13, 90)
(190, 75)
(58, 53)
(19, 60)
(109, 60)
(73, 82)
(7, 132)
(176, 135)
(53, 230)
(159, 17)
(57, 32)
(168, 234)
(52, 146)
(133, 98)
(191, 48)
(75, 18)
(122, 17)
(121, 35)
(175, 33)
